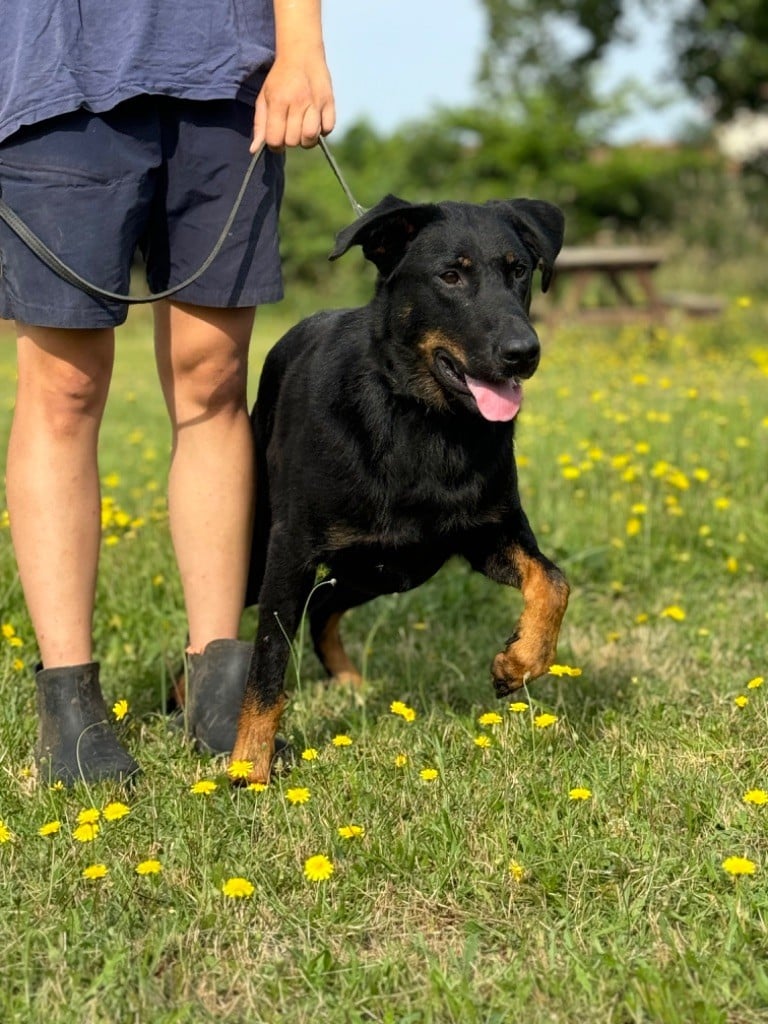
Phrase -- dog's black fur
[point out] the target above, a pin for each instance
(372, 455)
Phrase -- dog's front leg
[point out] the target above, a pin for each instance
(283, 595)
(532, 647)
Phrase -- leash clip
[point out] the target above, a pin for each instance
(358, 209)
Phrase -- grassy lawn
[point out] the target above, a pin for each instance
(558, 869)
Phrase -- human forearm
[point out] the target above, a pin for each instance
(295, 105)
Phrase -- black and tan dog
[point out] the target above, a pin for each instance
(384, 442)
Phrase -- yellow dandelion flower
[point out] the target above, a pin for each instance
(116, 810)
(351, 831)
(239, 769)
(517, 871)
(543, 721)
(739, 866)
(732, 564)
(86, 833)
(342, 741)
(676, 478)
(741, 701)
(17, 665)
(318, 868)
(5, 832)
(674, 612)
(579, 793)
(490, 718)
(753, 684)
(744, 301)
(571, 472)
(15, 641)
(310, 754)
(204, 786)
(397, 707)
(755, 796)
(401, 760)
(88, 816)
(297, 795)
(257, 787)
(721, 504)
(149, 867)
(429, 774)
(238, 888)
(50, 828)
(564, 670)
(120, 709)
(483, 741)
(95, 871)
(518, 706)
(634, 526)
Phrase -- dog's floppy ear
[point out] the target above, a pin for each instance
(385, 231)
(541, 226)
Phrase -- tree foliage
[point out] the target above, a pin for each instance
(720, 48)
(546, 46)
(722, 53)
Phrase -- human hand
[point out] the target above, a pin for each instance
(295, 106)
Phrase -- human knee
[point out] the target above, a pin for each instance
(210, 383)
(67, 397)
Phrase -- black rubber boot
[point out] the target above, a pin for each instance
(214, 693)
(74, 738)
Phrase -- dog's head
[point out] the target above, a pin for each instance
(455, 286)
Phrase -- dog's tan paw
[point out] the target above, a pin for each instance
(254, 750)
(517, 665)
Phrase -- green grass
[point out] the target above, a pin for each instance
(643, 470)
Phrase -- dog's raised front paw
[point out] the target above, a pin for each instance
(517, 664)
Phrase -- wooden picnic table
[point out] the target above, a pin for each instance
(624, 274)
(627, 270)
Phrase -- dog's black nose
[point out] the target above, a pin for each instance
(520, 356)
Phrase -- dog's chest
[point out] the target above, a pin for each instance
(421, 488)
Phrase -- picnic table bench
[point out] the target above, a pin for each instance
(583, 271)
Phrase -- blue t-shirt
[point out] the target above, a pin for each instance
(59, 55)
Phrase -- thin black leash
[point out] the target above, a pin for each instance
(41, 250)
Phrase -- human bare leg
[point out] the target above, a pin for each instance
(202, 357)
(52, 485)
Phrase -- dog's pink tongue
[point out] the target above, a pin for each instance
(496, 402)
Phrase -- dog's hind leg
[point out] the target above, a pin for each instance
(330, 650)
(324, 618)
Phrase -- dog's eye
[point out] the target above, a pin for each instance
(519, 271)
(451, 277)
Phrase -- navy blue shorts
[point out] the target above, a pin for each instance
(154, 174)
